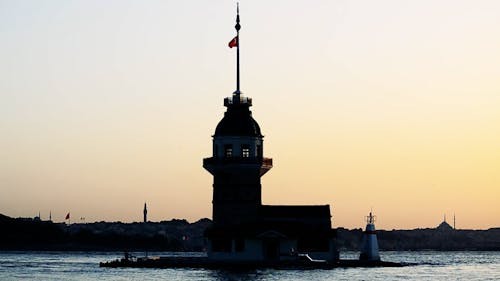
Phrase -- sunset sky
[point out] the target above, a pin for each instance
(391, 105)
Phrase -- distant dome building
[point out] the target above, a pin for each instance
(444, 226)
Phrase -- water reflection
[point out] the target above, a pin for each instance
(230, 275)
(85, 266)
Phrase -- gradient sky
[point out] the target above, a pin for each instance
(391, 105)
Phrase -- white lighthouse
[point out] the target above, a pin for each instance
(369, 245)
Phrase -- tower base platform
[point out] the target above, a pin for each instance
(301, 262)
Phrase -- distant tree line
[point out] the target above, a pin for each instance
(425, 239)
(180, 235)
(29, 234)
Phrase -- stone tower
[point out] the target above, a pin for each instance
(244, 230)
(237, 163)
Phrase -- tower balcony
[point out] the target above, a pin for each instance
(237, 99)
(238, 160)
(213, 163)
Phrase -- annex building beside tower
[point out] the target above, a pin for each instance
(243, 229)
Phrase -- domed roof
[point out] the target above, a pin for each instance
(238, 121)
(444, 226)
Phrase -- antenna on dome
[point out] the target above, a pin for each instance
(235, 42)
(237, 27)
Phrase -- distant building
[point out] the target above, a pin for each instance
(145, 213)
(444, 226)
(38, 218)
(244, 229)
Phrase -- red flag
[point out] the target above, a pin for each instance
(67, 216)
(233, 43)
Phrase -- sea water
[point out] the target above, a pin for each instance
(426, 265)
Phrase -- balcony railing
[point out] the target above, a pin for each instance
(238, 160)
(234, 99)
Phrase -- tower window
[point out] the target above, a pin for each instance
(245, 150)
(228, 150)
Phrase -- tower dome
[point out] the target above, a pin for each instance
(238, 121)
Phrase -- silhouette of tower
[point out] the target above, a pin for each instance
(237, 161)
(243, 229)
(145, 212)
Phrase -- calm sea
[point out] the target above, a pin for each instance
(85, 266)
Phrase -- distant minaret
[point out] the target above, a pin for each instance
(444, 218)
(454, 221)
(145, 211)
(37, 218)
(50, 215)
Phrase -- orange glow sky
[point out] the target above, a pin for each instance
(390, 105)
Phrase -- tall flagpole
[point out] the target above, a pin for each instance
(237, 27)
